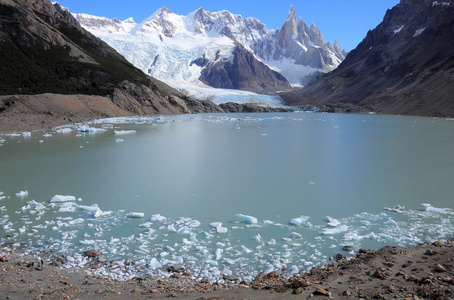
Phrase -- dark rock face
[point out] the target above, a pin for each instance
(232, 107)
(404, 66)
(244, 72)
(43, 49)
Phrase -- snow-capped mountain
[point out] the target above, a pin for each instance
(219, 49)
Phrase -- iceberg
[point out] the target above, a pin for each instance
(154, 264)
(61, 199)
(301, 220)
(429, 207)
(247, 219)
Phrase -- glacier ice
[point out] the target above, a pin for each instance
(61, 198)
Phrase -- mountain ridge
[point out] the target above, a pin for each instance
(214, 36)
(404, 66)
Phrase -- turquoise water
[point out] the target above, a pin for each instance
(198, 169)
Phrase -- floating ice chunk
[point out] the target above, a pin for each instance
(228, 261)
(146, 225)
(332, 222)
(22, 194)
(63, 130)
(429, 207)
(339, 229)
(87, 242)
(218, 227)
(390, 221)
(157, 218)
(99, 213)
(124, 132)
(92, 208)
(217, 253)
(119, 140)
(26, 134)
(296, 236)
(257, 237)
(67, 207)
(245, 249)
(302, 220)
(193, 223)
(76, 221)
(247, 219)
(272, 242)
(61, 199)
(135, 215)
(397, 208)
(36, 205)
(154, 264)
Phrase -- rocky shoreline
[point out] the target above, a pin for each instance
(422, 272)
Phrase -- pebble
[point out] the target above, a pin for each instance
(439, 268)
(91, 253)
(347, 248)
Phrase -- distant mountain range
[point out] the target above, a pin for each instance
(404, 66)
(219, 49)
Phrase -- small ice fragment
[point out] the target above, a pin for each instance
(257, 237)
(301, 220)
(157, 218)
(332, 222)
(247, 219)
(22, 194)
(296, 236)
(124, 132)
(390, 222)
(272, 242)
(218, 227)
(396, 208)
(339, 229)
(135, 215)
(245, 249)
(61, 198)
(146, 225)
(217, 253)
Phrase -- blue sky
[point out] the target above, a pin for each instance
(345, 20)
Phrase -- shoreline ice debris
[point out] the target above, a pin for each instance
(247, 219)
(429, 207)
(301, 220)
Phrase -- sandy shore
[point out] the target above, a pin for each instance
(422, 272)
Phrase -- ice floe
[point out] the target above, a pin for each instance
(247, 219)
(302, 220)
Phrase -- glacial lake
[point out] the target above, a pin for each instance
(228, 193)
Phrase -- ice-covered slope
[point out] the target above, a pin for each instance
(176, 49)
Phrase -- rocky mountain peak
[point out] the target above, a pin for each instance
(403, 66)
